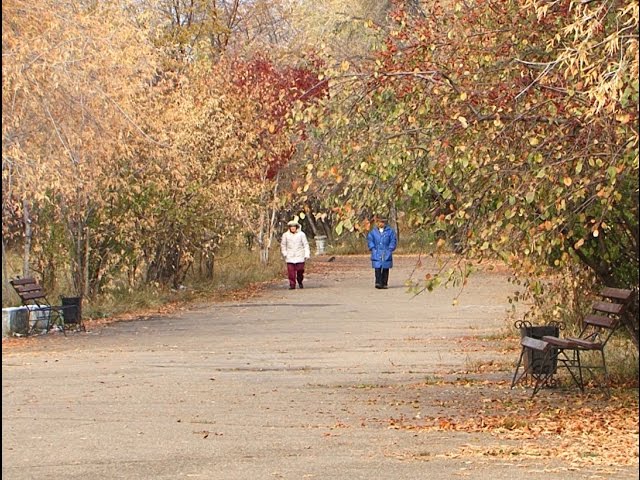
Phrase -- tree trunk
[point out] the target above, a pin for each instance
(28, 235)
(267, 224)
(209, 264)
(393, 219)
(264, 256)
(312, 222)
(328, 231)
(85, 265)
(79, 234)
(630, 321)
(5, 271)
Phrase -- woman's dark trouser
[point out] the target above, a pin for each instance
(295, 271)
(382, 276)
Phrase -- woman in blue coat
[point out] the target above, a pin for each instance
(382, 242)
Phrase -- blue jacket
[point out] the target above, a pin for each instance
(382, 246)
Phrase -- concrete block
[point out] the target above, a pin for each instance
(15, 320)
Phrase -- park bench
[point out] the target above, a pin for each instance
(597, 329)
(34, 298)
(538, 360)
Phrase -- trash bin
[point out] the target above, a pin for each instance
(71, 309)
(321, 242)
(539, 363)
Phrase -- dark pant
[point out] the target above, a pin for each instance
(295, 271)
(382, 276)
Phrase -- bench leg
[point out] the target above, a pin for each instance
(573, 364)
(606, 375)
(580, 380)
(516, 379)
(58, 320)
(40, 315)
(542, 379)
(604, 385)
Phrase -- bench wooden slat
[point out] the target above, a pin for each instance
(585, 344)
(39, 294)
(557, 342)
(23, 281)
(621, 294)
(27, 288)
(601, 321)
(608, 307)
(534, 344)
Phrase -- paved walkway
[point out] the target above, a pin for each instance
(309, 383)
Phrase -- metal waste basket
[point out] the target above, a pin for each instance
(539, 363)
(71, 310)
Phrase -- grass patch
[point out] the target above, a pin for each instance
(348, 244)
(234, 271)
(356, 244)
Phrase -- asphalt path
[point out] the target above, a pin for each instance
(290, 384)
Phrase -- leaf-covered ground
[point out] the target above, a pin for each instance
(590, 429)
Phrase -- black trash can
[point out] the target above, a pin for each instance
(72, 310)
(536, 361)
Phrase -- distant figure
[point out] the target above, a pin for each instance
(382, 241)
(295, 250)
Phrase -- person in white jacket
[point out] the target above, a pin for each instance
(295, 250)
